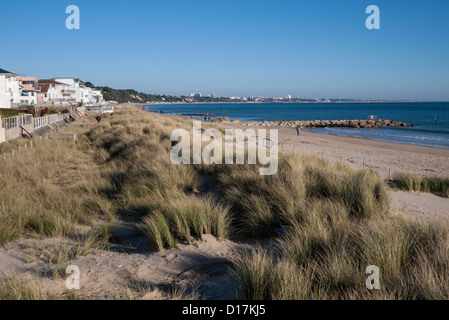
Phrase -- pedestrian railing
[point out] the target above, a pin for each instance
(16, 122)
(109, 109)
(96, 110)
(40, 122)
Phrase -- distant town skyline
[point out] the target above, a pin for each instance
(319, 49)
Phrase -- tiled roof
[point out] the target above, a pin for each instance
(44, 87)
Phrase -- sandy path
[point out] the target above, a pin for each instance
(424, 205)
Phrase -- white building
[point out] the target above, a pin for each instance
(75, 91)
(28, 90)
(50, 92)
(96, 96)
(85, 95)
(72, 91)
(5, 97)
(195, 95)
(9, 83)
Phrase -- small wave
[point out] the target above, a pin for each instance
(429, 141)
(378, 134)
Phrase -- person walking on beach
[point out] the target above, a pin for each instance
(298, 130)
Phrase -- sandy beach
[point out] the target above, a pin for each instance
(379, 155)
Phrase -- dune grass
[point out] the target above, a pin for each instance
(342, 226)
(147, 183)
(182, 217)
(261, 204)
(48, 190)
(14, 288)
(330, 263)
(412, 182)
(148, 292)
(119, 165)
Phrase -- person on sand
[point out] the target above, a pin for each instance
(298, 130)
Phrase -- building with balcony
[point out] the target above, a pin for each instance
(9, 89)
(71, 92)
(50, 92)
(28, 90)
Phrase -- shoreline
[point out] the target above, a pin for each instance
(378, 143)
(288, 102)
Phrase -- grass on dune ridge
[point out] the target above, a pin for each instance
(413, 182)
(328, 221)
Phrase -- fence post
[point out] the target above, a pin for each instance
(12, 152)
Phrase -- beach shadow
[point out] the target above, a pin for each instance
(129, 236)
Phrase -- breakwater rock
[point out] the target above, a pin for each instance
(364, 124)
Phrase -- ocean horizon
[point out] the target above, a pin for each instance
(422, 114)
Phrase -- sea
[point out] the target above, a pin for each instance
(426, 132)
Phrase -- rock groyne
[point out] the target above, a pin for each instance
(364, 124)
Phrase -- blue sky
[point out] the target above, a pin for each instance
(318, 48)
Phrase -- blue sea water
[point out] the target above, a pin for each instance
(421, 114)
